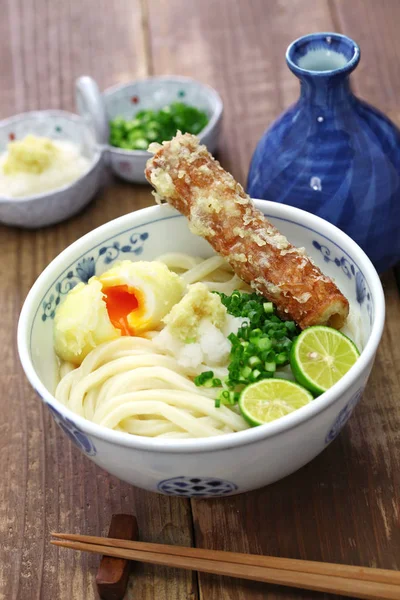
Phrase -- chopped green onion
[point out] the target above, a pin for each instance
(254, 361)
(270, 367)
(268, 307)
(264, 343)
(270, 357)
(281, 358)
(245, 372)
(227, 397)
(279, 334)
(156, 126)
(286, 343)
(203, 378)
(255, 334)
(208, 383)
(267, 374)
(260, 344)
(255, 375)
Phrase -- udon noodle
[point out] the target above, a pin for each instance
(132, 385)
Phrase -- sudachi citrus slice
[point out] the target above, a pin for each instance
(320, 356)
(271, 399)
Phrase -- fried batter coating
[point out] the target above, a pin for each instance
(185, 174)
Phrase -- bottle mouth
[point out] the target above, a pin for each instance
(322, 54)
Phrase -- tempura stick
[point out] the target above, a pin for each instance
(186, 175)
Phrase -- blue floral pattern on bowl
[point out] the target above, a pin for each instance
(88, 266)
(343, 417)
(196, 487)
(362, 293)
(75, 434)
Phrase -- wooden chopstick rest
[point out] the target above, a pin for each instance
(113, 573)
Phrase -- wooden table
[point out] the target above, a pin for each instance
(342, 507)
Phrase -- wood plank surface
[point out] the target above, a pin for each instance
(341, 507)
(239, 48)
(374, 26)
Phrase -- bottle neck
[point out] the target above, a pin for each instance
(325, 92)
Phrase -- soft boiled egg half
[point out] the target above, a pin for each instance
(128, 299)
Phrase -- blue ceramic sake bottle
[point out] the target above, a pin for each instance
(333, 154)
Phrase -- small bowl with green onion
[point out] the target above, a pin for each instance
(128, 117)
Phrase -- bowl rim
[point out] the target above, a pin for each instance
(215, 117)
(229, 440)
(97, 154)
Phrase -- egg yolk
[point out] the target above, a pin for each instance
(120, 301)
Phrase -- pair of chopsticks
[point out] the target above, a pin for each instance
(345, 580)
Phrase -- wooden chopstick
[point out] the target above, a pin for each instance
(345, 580)
(289, 564)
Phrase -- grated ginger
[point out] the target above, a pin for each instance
(199, 303)
(31, 155)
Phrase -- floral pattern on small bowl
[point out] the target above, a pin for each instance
(76, 435)
(196, 487)
(348, 268)
(88, 266)
(343, 417)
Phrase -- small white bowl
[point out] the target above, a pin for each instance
(152, 93)
(59, 204)
(227, 464)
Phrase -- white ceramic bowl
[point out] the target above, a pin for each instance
(57, 205)
(152, 93)
(227, 464)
